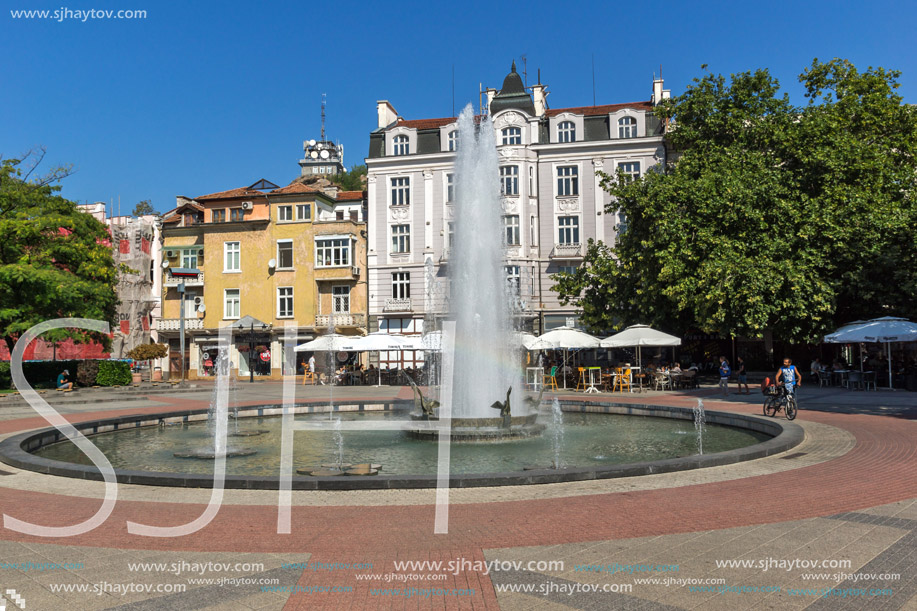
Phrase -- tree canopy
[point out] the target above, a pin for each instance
(55, 261)
(767, 217)
(351, 180)
(143, 208)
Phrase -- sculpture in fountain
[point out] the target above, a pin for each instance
(424, 406)
(505, 409)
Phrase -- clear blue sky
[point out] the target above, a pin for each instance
(205, 96)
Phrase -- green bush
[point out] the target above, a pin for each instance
(43, 374)
(113, 373)
(6, 378)
(87, 372)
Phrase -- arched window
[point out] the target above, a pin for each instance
(453, 140)
(402, 146)
(512, 135)
(566, 131)
(627, 127)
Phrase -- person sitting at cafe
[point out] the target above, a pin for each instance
(676, 368)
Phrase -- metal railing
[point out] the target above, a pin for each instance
(172, 324)
(398, 305)
(341, 320)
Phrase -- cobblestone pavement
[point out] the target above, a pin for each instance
(829, 524)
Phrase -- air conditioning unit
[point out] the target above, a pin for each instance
(198, 301)
(170, 254)
(200, 253)
(355, 270)
(247, 205)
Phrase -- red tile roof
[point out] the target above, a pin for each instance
(350, 195)
(296, 187)
(426, 123)
(240, 192)
(591, 111)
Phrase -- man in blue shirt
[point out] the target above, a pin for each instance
(725, 372)
(789, 376)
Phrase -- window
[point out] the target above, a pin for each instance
(509, 180)
(511, 230)
(284, 254)
(401, 285)
(566, 131)
(189, 258)
(568, 230)
(284, 213)
(402, 146)
(219, 216)
(285, 302)
(340, 299)
(355, 216)
(513, 278)
(303, 212)
(332, 252)
(232, 257)
(627, 127)
(401, 191)
(401, 238)
(450, 188)
(453, 140)
(568, 180)
(622, 222)
(339, 215)
(531, 181)
(566, 269)
(630, 170)
(533, 231)
(236, 214)
(231, 303)
(512, 135)
(450, 234)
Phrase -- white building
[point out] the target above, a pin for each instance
(552, 203)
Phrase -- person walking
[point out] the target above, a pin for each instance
(725, 372)
(742, 376)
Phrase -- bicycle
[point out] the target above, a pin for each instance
(779, 399)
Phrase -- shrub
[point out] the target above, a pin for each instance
(87, 372)
(145, 352)
(6, 378)
(114, 373)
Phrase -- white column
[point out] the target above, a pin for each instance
(599, 209)
(427, 211)
(374, 211)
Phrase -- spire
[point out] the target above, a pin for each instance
(513, 69)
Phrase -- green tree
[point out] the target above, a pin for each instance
(770, 217)
(351, 180)
(143, 208)
(55, 261)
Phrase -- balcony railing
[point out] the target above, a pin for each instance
(170, 280)
(341, 320)
(172, 324)
(566, 251)
(397, 305)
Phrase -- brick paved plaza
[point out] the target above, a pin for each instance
(846, 498)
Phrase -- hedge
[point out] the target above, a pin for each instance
(6, 378)
(114, 373)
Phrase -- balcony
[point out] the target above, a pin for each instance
(567, 251)
(398, 305)
(341, 320)
(170, 280)
(172, 324)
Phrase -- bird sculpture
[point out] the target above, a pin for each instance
(422, 404)
(504, 407)
(534, 404)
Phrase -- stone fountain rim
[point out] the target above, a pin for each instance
(16, 450)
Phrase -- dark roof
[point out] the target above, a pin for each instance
(512, 95)
(426, 123)
(599, 110)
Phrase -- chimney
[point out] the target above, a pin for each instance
(659, 94)
(491, 93)
(540, 97)
(387, 113)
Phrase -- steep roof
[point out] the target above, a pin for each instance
(599, 110)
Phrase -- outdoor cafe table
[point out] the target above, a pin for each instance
(595, 377)
(534, 378)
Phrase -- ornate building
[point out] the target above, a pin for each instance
(552, 199)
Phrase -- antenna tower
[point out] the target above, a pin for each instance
(323, 117)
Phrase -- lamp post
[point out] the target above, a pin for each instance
(182, 273)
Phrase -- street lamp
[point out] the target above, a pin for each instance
(182, 273)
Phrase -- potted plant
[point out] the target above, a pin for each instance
(148, 352)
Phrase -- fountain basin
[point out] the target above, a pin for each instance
(17, 451)
(466, 430)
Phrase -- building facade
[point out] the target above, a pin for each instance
(268, 257)
(552, 200)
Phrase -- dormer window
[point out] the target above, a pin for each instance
(453, 140)
(512, 135)
(402, 145)
(627, 127)
(566, 132)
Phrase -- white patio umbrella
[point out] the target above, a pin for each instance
(432, 341)
(331, 342)
(637, 336)
(567, 338)
(376, 342)
(885, 330)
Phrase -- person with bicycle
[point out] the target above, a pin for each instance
(788, 376)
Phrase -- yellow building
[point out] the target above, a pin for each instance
(268, 257)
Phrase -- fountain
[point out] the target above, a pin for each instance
(700, 419)
(557, 433)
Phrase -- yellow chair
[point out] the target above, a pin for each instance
(582, 378)
(310, 377)
(622, 379)
(550, 379)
